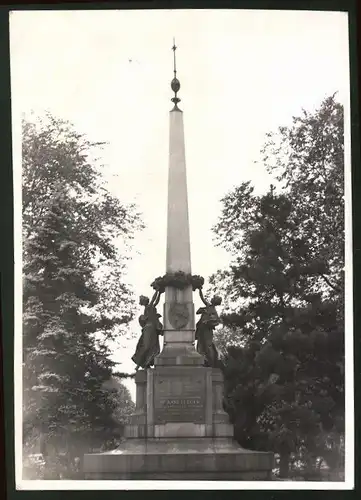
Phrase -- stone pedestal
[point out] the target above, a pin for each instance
(179, 431)
(178, 346)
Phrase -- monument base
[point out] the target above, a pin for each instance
(179, 459)
(179, 431)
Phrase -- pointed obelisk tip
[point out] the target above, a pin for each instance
(175, 84)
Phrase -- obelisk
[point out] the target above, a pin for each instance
(178, 307)
(179, 429)
(178, 240)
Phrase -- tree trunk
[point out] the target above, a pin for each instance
(284, 465)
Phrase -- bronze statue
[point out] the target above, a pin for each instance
(204, 330)
(148, 345)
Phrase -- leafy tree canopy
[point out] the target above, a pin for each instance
(284, 363)
(71, 229)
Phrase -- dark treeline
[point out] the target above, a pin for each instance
(283, 334)
(72, 401)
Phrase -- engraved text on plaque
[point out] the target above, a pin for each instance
(179, 397)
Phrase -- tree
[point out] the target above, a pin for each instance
(124, 405)
(55, 156)
(308, 159)
(69, 231)
(284, 295)
(63, 367)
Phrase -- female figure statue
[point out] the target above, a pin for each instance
(204, 330)
(148, 345)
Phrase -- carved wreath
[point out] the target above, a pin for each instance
(178, 280)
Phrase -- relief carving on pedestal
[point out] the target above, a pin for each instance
(178, 315)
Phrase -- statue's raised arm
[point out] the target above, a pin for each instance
(205, 302)
(156, 298)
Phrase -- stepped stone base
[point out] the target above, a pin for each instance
(176, 459)
(179, 431)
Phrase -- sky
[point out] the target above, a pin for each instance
(243, 73)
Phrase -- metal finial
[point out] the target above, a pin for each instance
(175, 84)
(174, 48)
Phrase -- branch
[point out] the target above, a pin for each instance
(334, 287)
(123, 375)
(280, 296)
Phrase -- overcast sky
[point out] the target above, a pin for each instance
(243, 73)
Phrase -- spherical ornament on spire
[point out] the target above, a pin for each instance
(175, 85)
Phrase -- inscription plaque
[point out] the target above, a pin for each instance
(179, 397)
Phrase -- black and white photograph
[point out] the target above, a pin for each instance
(183, 249)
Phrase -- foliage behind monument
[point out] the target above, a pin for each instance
(285, 295)
(71, 224)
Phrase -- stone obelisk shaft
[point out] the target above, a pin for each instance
(178, 238)
(178, 242)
